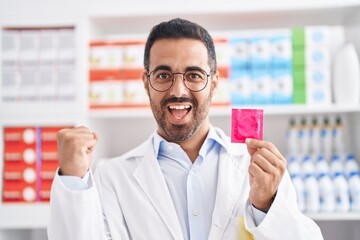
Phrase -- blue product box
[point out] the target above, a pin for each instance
(281, 50)
(261, 86)
(282, 86)
(260, 52)
(240, 87)
(240, 53)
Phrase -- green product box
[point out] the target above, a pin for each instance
(298, 57)
(299, 96)
(298, 36)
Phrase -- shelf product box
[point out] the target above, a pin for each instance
(239, 51)
(281, 49)
(49, 161)
(29, 79)
(261, 86)
(20, 163)
(318, 85)
(105, 56)
(29, 45)
(66, 43)
(317, 35)
(240, 87)
(10, 81)
(223, 52)
(66, 81)
(260, 51)
(10, 44)
(47, 81)
(30, 163)
(282, 85)
(48, 45)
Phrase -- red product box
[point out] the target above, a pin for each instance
(19, 185)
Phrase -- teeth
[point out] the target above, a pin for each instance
(179, 107)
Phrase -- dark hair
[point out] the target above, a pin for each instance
(180, 29)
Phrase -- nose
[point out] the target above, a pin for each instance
(179, 89)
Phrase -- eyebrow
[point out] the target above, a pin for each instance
(168, 68)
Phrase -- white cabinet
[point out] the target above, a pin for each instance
(114, 19)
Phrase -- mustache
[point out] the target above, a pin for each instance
(178, 100)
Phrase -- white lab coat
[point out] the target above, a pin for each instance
(131, 201)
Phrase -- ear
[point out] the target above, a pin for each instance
(145, 81)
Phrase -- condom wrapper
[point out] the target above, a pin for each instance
(246, 123)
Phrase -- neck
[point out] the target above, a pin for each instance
(193, 145)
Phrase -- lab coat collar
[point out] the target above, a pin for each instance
(147, 169)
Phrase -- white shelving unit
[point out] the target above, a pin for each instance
(114, 19)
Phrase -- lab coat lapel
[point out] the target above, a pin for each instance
(150, 178)
(230, 182)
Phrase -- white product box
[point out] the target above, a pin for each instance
(282, 86)
(66, 81)
(47, 82)
(29, 45)
(261, 86)
(10, 82)
(223, 53)
(134, 92)
(10, 45)
(29, 81)
(281, 49)
(319, 76)
(316, 95)
(240, 87)
(318, 86)
(317, 35)
(48, 44)
(133, 56)
(66, 44)
(106, 92)
(107, 56)
(222, 93)
(260, 52)
(317, 56)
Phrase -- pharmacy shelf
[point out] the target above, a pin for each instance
(24, 216)
(349, 216)
(221, 15)
(226, 111)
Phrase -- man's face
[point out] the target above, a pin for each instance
(179, 112)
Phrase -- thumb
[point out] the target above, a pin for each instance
(250, 148)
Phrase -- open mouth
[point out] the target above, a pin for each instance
(179, 111)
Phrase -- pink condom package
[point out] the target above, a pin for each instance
(246, 123)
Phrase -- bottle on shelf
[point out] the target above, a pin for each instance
(350, 165)
(292, 137)
(326, 193)
(311, 187)
(341, 188)
(326, 138)
(312, 196)
(338, 136)
(315, 137)
(336, 165)
(304, 137)
(321, 165)
(300, 190)
(354, 187)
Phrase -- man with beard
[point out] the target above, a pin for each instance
(187, 181)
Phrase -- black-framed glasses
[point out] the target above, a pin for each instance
(162, 80)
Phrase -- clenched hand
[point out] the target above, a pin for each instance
(75, 147)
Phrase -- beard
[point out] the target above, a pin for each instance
(180, 132)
